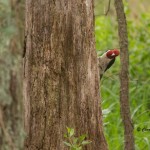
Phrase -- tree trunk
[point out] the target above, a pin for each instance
(124, 76)
(11, 106)
(61, 82)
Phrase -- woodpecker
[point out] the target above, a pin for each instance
(107, 60)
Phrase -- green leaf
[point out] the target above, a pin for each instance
(65, 135)
(68, 130)
(75, 140)
(86, 142)
(82, 137)
(79, 148)
(71, 132)
(67, 144)
(72, 148)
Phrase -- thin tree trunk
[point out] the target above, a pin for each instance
(124, 76)
(11, 106)
(61, 82)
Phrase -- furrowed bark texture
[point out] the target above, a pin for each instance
(124, 79)
(61, 82)
(11, 104)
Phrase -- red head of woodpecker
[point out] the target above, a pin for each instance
(111, 54)
(107, 60)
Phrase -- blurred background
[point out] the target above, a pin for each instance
(11, 43)
(106, 34)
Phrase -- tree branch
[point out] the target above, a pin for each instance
(108, 8)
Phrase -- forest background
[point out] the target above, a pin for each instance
(138, 22)
(138, 19)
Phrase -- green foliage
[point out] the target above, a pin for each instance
(139, 50)
(75, 143)
(105, 33)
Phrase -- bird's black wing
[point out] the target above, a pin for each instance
(110, 64)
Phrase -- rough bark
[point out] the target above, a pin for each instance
(124, 76)
(11, 116)
(61, 82)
